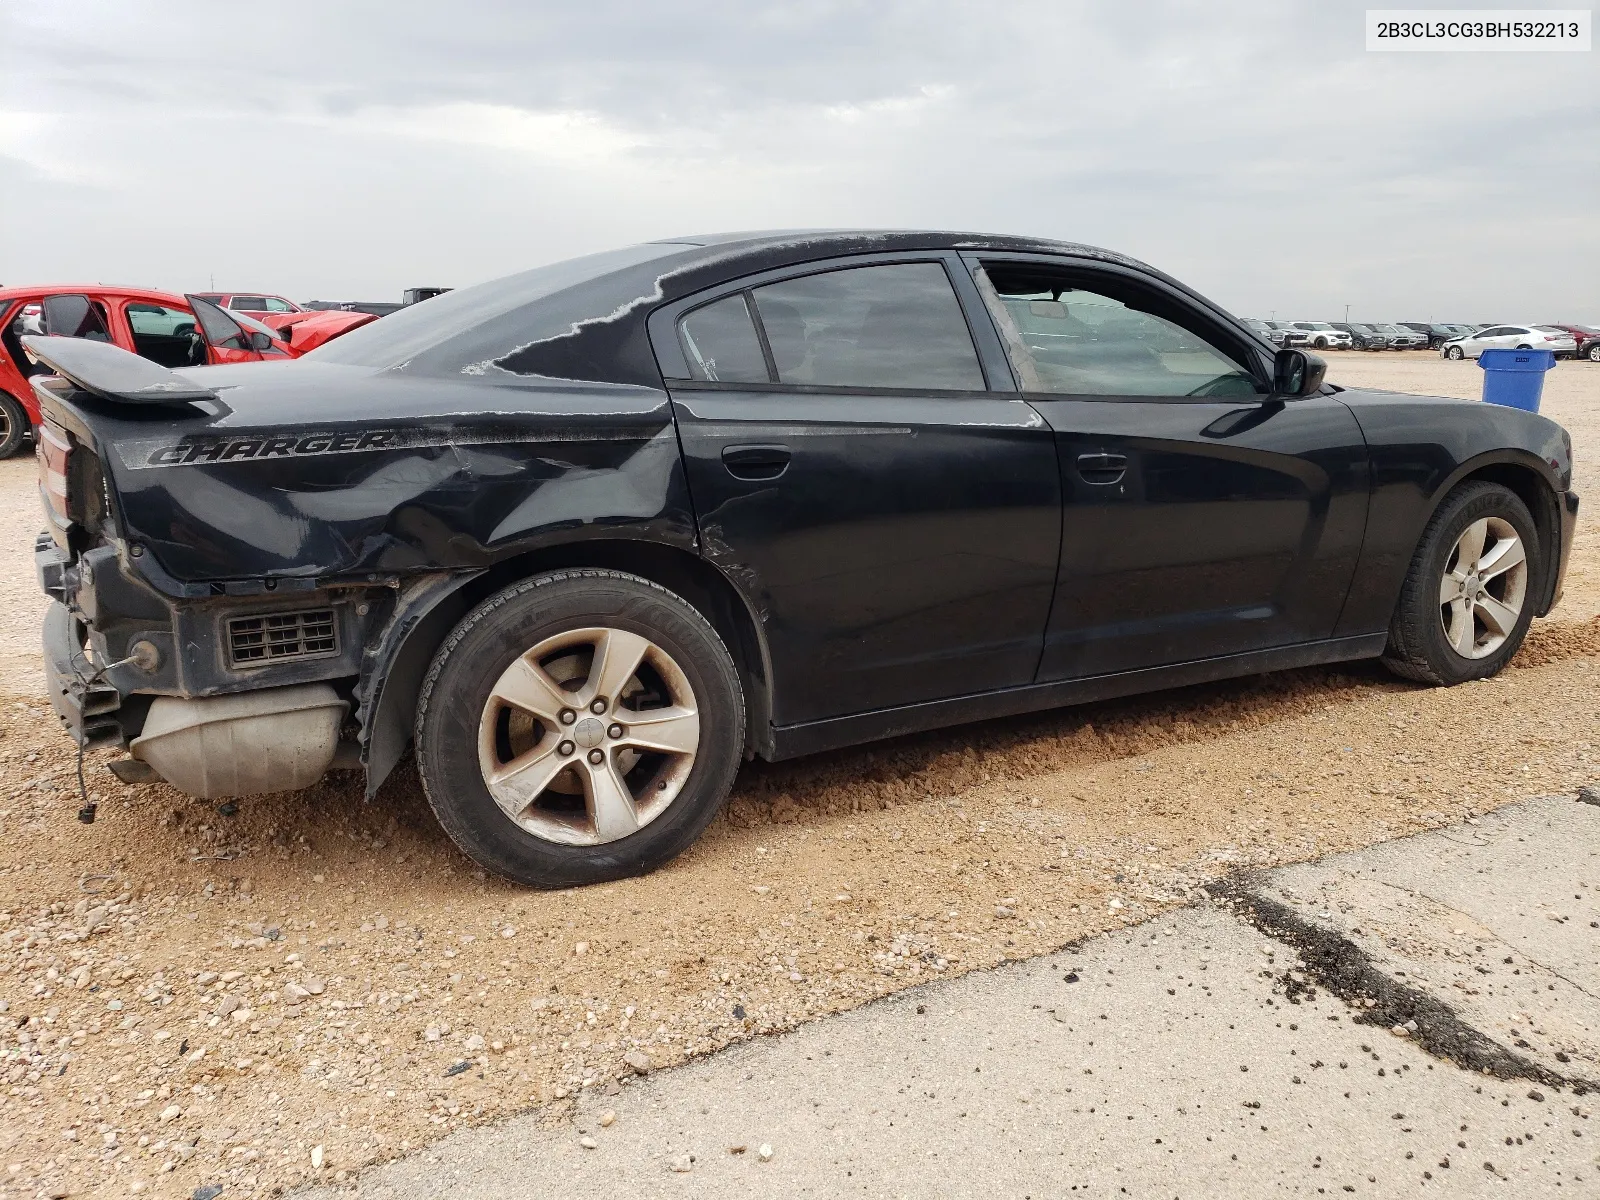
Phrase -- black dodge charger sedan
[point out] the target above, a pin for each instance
(588, 535)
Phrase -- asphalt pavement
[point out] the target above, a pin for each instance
(1422, 1017)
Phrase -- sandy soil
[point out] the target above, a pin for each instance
(308, 984)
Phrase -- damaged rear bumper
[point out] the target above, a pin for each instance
(86, 704)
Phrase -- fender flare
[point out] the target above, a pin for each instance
(395, 662)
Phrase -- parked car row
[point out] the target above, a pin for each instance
(1340, 335)
(1452, 340)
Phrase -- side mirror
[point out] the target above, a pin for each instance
(260, 341)
(1297, 373)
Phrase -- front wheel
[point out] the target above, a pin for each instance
(1319, 343)
(1468, 597)
(578, 727)
(1455, 352)
(13, 425)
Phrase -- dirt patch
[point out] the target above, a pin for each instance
(219, 992)
(1340, 966)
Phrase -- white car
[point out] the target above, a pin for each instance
(1511, 337)
(1322, 336)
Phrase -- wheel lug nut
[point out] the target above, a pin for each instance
(615, 731)
(568, 716)
(567, 748)
(597, 757)
(599, 706)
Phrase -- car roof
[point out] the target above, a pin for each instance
(584, 319)
(89, 289)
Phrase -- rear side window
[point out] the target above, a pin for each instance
(76, 316)
(721, 344)
(250, 303)
(894, 326)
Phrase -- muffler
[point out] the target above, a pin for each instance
(275, 740)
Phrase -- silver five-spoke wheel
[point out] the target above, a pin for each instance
(588, 736)
(1484, 586)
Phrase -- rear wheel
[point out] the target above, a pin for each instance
(13, 425)
(1594, 352)
(579, 727)
(1468, 598)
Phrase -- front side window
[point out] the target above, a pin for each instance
(892, 326)
(1076, 341)
(274, 304)
(721, 343)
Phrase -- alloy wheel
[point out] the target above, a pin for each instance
(1484, 587)
(1594, 353)
(588, 736)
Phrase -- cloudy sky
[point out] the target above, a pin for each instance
(346, 149)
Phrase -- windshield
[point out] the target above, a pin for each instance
(396, 339)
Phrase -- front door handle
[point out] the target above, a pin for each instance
(1102, 468)
(755, 462)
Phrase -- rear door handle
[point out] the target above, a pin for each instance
(1102, 468)
(755, 462)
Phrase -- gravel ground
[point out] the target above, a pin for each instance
(306, 985)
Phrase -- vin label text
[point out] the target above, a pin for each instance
(1542, 30)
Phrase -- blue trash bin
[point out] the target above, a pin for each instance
(1515, 378)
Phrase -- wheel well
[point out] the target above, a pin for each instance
(679, 571)
(1533, 491)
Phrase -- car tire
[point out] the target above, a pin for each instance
(1524, 346)
(1455, 352)
(1319, 343)
(14, 425)
(566, 831)
(1446, 643)
(1594, 353)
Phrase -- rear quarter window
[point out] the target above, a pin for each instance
(893, 326)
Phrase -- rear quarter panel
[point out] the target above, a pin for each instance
(322, 472)
(1420, 447)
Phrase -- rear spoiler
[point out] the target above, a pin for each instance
(113, 373)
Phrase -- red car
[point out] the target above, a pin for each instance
(308, 328)
(175, 331)
(1587, 338)
(303, 328)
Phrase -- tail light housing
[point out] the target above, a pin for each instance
(54, 450)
